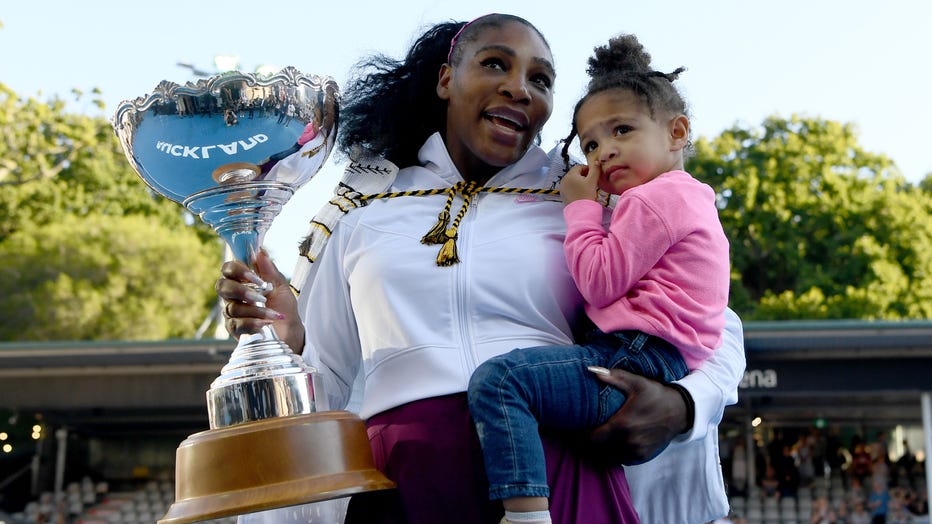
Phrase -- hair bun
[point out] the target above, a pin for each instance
(623, 54)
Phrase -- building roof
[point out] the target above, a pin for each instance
(796, 370)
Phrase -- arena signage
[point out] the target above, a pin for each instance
(759, 378)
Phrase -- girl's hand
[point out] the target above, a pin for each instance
(242, 314)
(581, 182)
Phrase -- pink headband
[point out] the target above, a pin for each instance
(458, 33)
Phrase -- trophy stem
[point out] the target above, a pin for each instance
(264, 378)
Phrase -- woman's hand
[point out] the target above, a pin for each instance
(652, 415)
(237, 288)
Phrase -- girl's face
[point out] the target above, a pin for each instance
(616, 130)
(498, 98)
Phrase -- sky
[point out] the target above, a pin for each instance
(853, 61)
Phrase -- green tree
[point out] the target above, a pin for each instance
(926, 183)
(68, 192)
(819, 227)
(104, 277)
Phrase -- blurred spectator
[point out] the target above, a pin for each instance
(787, 473)
(739, 470)
(726, 451)
(822, 512)
(879, 449)
(880, 471)
(775, 447)
(860, 462)
(901, 471)
(859, 514)
(842, 514)
(818, 443)
(770, 484)
(760, 461)
(856, 492)
(907, 460)
(917, 501)
(897, 513)
(834, 456)
(878, 502)
(802, 451)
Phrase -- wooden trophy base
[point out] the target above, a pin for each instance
(272, 463)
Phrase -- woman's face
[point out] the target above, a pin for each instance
(498, 98)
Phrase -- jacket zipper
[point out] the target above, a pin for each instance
(462, 287)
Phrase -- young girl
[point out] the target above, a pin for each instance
(655, 281)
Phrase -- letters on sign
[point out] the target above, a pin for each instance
(759, 378)
(205, 151)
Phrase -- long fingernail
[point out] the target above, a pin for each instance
(599, 370)
(256, 279)
(255, 296)
(271, 313)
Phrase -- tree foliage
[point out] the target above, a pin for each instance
(88, 251)
(104, 277)
(926, 183)
(819, 228)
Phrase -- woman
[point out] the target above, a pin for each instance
(462, 112)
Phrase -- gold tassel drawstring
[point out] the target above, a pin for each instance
(448, 255)
(438, 233)
(443, 232)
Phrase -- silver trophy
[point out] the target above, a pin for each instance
(233, 149)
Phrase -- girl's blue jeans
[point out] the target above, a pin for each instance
(512, 394)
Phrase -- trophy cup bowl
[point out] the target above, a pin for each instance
(233, 149)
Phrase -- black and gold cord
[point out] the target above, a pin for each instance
(445, 232)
